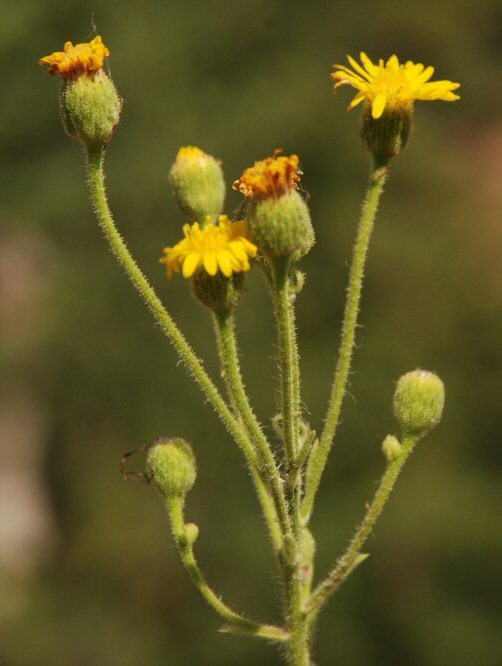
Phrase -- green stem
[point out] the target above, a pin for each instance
(288, 359)
(95, 161)
(269, 471)
(320, 454)
(298, 646)
(234, 622)
(298, 650)
(353, 556)
(268, 507)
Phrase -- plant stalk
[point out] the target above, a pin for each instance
(234, 622)
(353, 556)
(298, 652)
(95, 162)
(269, 471)
(320, 453)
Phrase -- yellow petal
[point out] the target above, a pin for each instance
(251, 248)
(368, 64)
(358, 68)
(210, 263)
(378, 105)
(393, 62)
(190, 264)
(425, 75)
(347, 74)
(357, 100)
(238, 249)
(225, 263)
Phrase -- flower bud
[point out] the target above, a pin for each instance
(391, 448)
(191, 533)
(278, 217)
(90, 105)
(171, 464)
(280, 227)
(418, 401)
(198, 184)
(386, 136)
(90, 108)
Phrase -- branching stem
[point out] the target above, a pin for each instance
(234, 622)
(95, 161)
(297, 620)
(269, 471)
(353, 556)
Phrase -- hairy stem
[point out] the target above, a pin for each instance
(297, 621)
(288, 359)
(319, 458)
(234, 622)
(353, 556)
(298, 647)
(95, 162)
(225, 333)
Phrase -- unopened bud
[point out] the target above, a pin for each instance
(391, 448)
(280, 226)
(90, 108)
(418, 401)
(278, 217)
(198, 183)
(90, 105)
(191, 533)
(171, 464)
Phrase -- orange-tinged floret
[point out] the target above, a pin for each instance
(271, 177)
(81, 59)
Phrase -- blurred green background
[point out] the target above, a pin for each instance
(88, 572)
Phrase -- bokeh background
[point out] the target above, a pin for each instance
(88, 572)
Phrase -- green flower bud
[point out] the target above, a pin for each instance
(90, 108)
(418, 401)
(280, 226)
(198, 183)
(391, 448)
(278, 218)
(191, 533)
(386, 136)
(171, 464)
(90, 105)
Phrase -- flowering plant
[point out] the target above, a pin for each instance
(272, 232)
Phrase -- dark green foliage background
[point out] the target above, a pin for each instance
(240, 79)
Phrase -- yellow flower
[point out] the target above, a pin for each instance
(214, 248)
(76, 60)
(392, 85)
(190, 154)
(271, 177)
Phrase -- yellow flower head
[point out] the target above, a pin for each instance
(271, 177)
(391, 85)
(213, 248)
(74, 61)
(190, 154)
